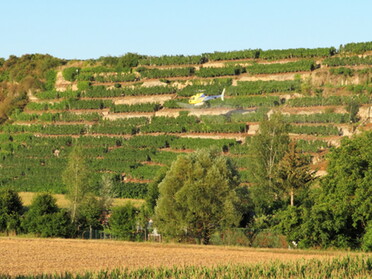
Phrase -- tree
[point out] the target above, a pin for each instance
(107, 192)
(197, 196)
(45, 219)
(70, 73)
(127, 61)
(90, 213)
(75, 177)
(293, 172)
(267, 148)
(342, 208)
(367, 238)
(11, 209)
(123, 221)
(153, 190)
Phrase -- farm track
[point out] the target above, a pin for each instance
(21, 256)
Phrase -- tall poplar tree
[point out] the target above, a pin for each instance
(75, 177)
(266, 149)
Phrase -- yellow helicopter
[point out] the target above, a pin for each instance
(200, 98)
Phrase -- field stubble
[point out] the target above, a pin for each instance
(20, 256)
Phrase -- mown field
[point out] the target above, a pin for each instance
(63, 202)
(152, 260)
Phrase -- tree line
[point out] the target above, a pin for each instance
(199, 198)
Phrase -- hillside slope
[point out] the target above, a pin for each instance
(132, 116)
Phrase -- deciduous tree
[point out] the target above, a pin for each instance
(293, 172)
(11, 209)
(267, 148)
(123, 221)
(45, 219)
(75, 177)
(341, 212)
(197, 196)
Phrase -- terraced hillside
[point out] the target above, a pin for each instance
(133, 121)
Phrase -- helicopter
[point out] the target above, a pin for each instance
(200, 98)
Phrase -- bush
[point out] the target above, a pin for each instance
(83, 85)
(45, 219)
(266, 239)
(367, 238)
(123, 222)
(230, 237)
(71, 73)
(50, 77)
(10, 210)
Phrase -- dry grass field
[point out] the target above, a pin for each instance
(62, 202)
(21, 256)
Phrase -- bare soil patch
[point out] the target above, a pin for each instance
(49, 256)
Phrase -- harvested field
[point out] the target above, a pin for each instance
(19, 256)
(64, 203)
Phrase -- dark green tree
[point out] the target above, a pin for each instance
(90, 212)
(70, 73)
(266, 149)
(197, 196)
(127, 61)
(342, 206)
(293, 172)
(45, 219)
(367, 238)
(123, 221)
(153, 190)
(11, 209)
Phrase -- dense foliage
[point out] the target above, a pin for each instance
(36, 142)
(197, 196)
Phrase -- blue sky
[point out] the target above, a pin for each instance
(82, 29)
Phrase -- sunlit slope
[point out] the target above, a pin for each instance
(135, 121)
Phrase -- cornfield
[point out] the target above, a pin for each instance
(345, 267)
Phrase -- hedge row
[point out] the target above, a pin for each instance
(298, 66)
(297, 53)
(318, 118)
(261, 87)
(118, 77)
(243, 54)
(71, 104)
(348, 61)
(356, 47)
(315, 130)
(223, 71)
(101, 91)
(146, 107)
(165, 73)
(171, 60)
(53, 117)
(327, 101)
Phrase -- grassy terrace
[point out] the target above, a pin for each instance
(128, 128)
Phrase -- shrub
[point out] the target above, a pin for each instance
(71, 73)
(123, 221)
(367, 238)
(83, 85)
(266, 239)
(50, 78)
(10, 210)
(45, 219)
